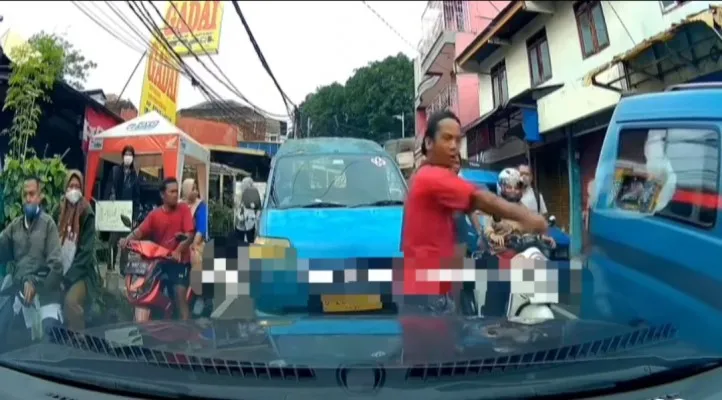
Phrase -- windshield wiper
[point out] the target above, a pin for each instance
(319, 204)
(381, 203)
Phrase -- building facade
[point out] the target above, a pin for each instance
(550, 74)
(447, 28)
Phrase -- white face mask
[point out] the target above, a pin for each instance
(73, 195)
(127, 160)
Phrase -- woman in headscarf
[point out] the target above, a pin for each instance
(249, 208)
(76, 228)
(199, 210)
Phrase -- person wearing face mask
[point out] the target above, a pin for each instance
(76, 227)
(32, 244)
(123, 186)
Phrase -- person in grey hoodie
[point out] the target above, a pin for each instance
(32, 245)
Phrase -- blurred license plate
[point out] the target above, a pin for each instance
(351, 303)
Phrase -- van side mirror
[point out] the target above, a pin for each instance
(126, 221)
(552, 220)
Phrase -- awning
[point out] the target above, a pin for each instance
(526, 100)
(510, 20)
(710, 18)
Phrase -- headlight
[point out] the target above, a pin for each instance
(269, 248)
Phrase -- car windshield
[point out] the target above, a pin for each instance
(341, 180)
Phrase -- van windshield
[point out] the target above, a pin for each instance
(340, 180)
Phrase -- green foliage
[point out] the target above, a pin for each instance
(51, 171)
(220, 219)
(35, 69)
(75, 66)
(366, 105)
(36, 66)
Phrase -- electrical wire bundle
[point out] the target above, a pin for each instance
(132, 38)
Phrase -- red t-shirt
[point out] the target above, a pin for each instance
(429, 234)
(161, 227)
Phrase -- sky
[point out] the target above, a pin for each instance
(306, 43)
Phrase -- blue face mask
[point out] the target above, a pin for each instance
(31, 211)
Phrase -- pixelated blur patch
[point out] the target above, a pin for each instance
(267, 252)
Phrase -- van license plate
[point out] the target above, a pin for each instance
(351, 303)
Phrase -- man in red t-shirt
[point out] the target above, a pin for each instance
(435, 194)
(161, 226)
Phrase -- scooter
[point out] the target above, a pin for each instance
(533, 307)
(145, 282)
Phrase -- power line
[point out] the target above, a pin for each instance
(228, 83)
(388, 25)
(208, 93)
(259, 53)
(160, 40)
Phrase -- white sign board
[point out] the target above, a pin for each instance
(107, 215)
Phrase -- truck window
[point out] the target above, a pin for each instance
(671, 173)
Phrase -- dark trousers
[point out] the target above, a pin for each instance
(245, 237)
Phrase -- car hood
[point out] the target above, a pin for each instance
(323, 342)
(337, 232)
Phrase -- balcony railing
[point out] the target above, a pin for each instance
(448, 98)
(442, 16)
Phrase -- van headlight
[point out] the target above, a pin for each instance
(268, 241)
(269, 248)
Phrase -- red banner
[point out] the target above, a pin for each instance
(95, 122)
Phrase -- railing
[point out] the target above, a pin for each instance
(442, 16)
(448, 98)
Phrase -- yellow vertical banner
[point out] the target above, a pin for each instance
(160, 84)
(197, 23)
(193, 23)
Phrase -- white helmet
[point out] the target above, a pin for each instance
(509, 177)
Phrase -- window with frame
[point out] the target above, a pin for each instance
(499, 87)
(675, 170)
(592, 27)
(540, 65)
(668, 5)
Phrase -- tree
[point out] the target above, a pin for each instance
(76, 66)
(366, 104)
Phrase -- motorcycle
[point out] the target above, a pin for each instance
(523, 307)
(146, 283)
(38, 324)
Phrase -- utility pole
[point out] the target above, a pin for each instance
(308, 127)
(401, 117)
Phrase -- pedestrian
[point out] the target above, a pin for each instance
(123, 186)
(529, 195)
(76, 228)
(199, 210)
(248, 212)
(435, 196)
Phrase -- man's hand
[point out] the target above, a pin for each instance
(497, 240)
(28, 292)
(550, 241)
(534, 223)
(176, 254)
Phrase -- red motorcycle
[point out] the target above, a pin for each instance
(145, 281)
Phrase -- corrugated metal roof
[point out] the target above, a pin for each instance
(709, 17)
(209, 132)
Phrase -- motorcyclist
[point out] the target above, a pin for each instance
(510, 186)
(161, 226)
(32, 244)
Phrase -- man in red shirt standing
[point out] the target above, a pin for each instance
(436, 193)
(161, 226)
